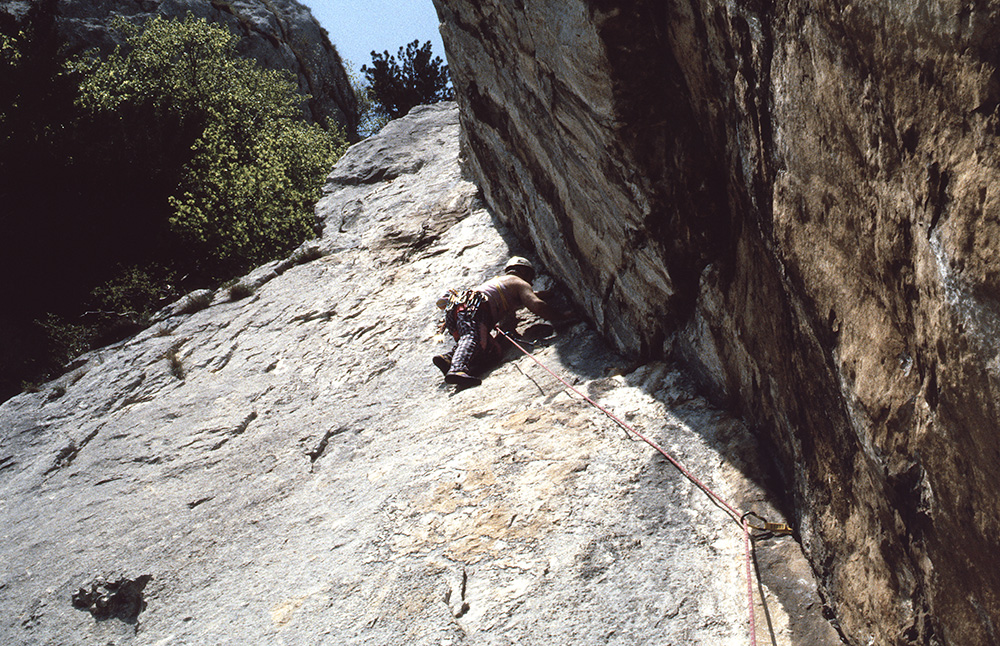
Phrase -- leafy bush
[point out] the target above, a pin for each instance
(133, 295)
(252, 167)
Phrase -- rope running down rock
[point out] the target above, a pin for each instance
(743, 520)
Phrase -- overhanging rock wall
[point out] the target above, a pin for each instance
(799, 199)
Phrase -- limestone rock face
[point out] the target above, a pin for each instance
(800, 200)
(280, 34)
(281, 463)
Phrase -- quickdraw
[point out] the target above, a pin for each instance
(780, 529)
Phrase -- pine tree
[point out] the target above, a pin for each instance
(416, 78)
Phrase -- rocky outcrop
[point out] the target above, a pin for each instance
(280, 34)
(280, 462)
(799, 200)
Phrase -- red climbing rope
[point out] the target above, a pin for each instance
(741, 519)
(746, 549)
(737, 516)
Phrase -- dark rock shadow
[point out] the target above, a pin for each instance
(778, 560)
(120, 599)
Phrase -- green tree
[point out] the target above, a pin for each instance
(243, 166)
(371, 116)
(415, 79)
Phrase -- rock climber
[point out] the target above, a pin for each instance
(471, 316)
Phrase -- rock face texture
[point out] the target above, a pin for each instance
(280, 34)
(289, 468)
(800, 200)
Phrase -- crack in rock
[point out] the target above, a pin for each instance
(317, 452)
(455, 599)
(195, 503)
(239, 430)
(315, 315)
(69, 452)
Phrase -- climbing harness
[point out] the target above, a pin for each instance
(453, 302)
(743, 520)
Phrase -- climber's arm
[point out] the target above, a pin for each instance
(536, 305)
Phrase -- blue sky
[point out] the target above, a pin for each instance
(357, 27)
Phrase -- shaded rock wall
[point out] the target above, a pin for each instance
(799, 199)
(280, 34)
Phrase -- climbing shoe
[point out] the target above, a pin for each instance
(462, 379)
(443, 362)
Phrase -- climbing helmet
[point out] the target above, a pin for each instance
(517, 262)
